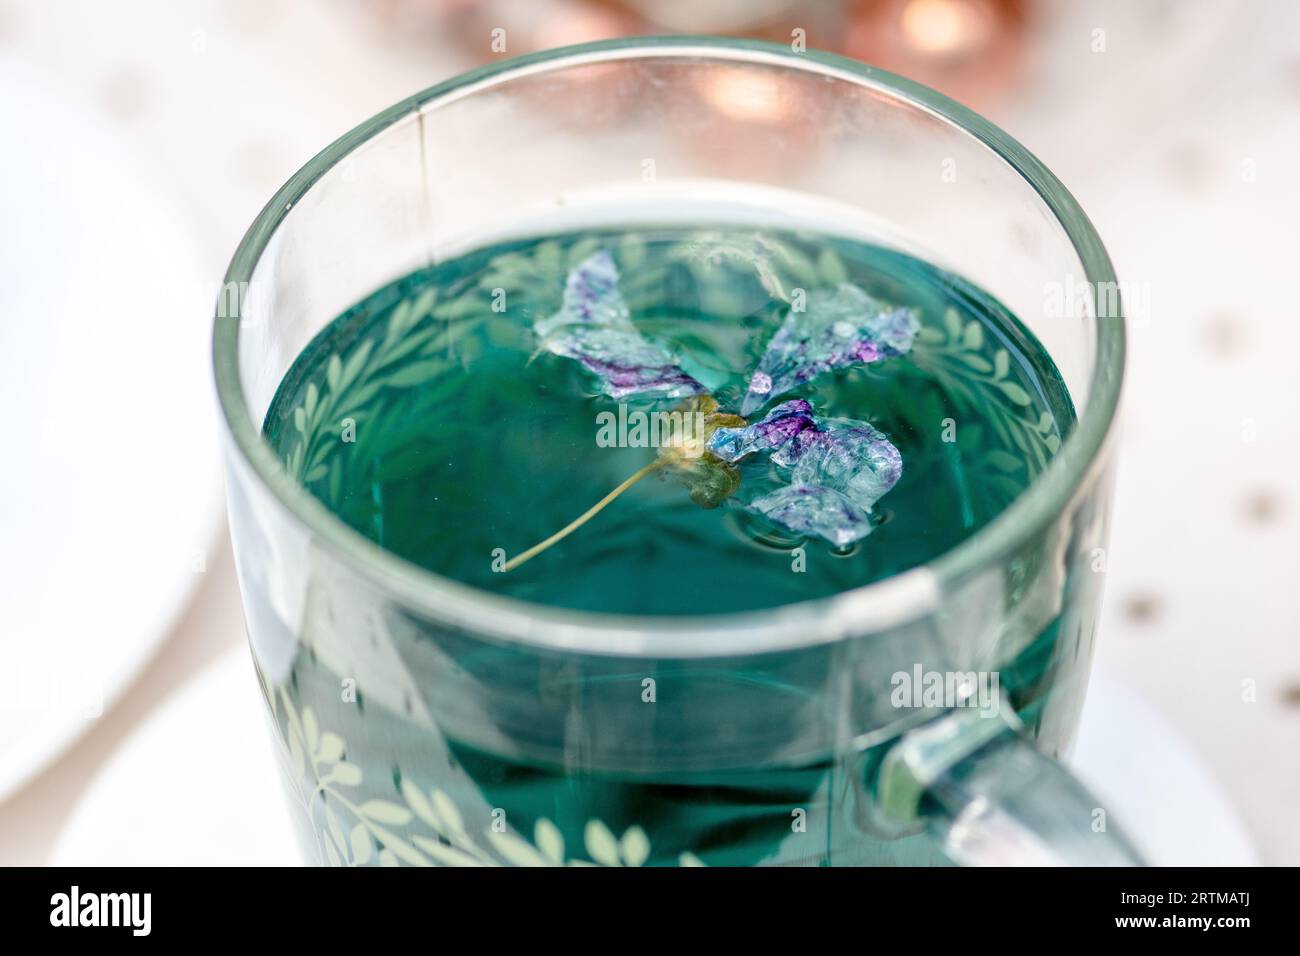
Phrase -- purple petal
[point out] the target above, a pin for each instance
(837, 328)
(838, 469)
(625, 361)
(591, 297)
(810, 509)
(851, 457)
(595, 327)
(781, 426)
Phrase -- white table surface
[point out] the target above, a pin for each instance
(1190, 178)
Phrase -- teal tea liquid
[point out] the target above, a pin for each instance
(454, 438)
(428, 419)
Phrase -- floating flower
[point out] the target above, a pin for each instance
(838, 469)
(710, 478)
(595, 327)
(837, 327)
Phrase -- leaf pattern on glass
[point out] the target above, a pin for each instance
(837, 470)
(951, 353)
(426, 828)
(418, 331)
(595, 327)
(838, 327)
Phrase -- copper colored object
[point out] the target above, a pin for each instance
(972, 50)
(762, 124)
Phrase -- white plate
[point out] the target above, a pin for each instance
(110, 481)
(199, 784)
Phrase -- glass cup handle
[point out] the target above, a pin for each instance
(993, 799)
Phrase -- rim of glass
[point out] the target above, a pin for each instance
(870, 608)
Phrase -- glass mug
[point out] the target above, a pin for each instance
(423, 721)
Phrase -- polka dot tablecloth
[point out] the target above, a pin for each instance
(1181, 140)
(1189, 172)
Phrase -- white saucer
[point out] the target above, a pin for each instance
(199, 784)
(110, 482)
(1153, 785)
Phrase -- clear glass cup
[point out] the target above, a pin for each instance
(424, 721)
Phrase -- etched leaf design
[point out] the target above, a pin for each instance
(383, 832)
(444, 854)
(1014, 392)
(331, 748)
(417, 373)
(549, 840)
(952, 353)
(335, 829)
(347, 774)
(400, 848)
(601, 845)
(362, 846)
(447, 811)
(385, 811)
(635, 846)
(419, 805)
(514, 850)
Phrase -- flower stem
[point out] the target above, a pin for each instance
(583, 518)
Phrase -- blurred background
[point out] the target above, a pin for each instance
(142, 137)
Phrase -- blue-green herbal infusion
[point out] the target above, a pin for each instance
(671, 420)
